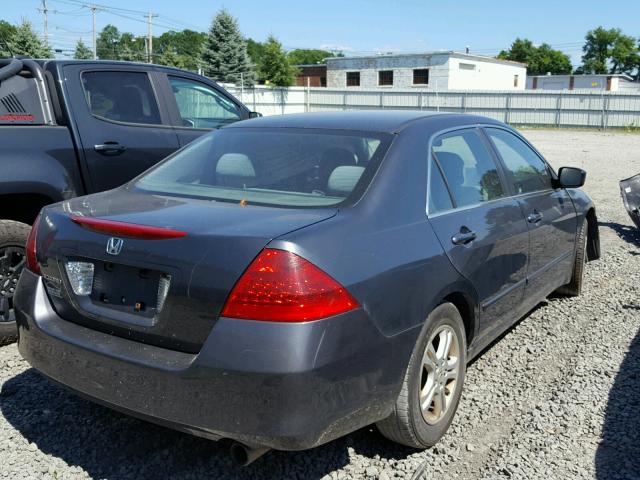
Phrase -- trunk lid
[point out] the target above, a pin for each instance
(162, 292)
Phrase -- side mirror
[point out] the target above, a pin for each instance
(570, 177)
(254, 114)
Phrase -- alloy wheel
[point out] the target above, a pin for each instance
(12, 260)
(440, 372)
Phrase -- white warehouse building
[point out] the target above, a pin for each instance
(610, 83)
(437, 70)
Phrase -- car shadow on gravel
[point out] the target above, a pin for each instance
(107, 444)
(628, 233)
(618, 453)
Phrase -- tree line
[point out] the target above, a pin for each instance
(224, 54)
(605, 51)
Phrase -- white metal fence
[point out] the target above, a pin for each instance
(535, 108)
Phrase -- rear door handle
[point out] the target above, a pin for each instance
(534, 217)
(110, 148)
(463, 237)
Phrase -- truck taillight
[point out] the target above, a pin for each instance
(281, 286)
(32, 261)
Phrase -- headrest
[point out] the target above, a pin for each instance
(235, 165)
(338, 156)
(343, 179)
(453, 166)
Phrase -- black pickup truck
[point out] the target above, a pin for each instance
(69, 128)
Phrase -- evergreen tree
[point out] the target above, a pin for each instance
(171, 58)
(274, 67)
(224, 56)
(7, 31)
(25, 42)
(82, 51)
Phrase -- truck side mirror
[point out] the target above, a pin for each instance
(570, 177)
(254, 114)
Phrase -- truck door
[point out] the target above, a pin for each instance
(122, 122)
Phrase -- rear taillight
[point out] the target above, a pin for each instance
(281, 286)
(32, 261)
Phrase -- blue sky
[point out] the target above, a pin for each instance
(354, 26)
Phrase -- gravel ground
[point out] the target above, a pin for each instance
(556, 397)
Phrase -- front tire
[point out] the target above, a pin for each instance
(574, 287)
(13, 238)
(433, 383)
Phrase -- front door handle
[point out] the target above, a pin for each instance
(463, 237)
(534, 217)
(110, 148)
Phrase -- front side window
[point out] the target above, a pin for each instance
(468, 167)
(526, 171)
(201, 106)
(271, 166)
(121, 96)
(385, 77)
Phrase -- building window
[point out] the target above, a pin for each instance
(353, 79)
(421, 76)
(467, 66)
(515, 81)
(385, 77)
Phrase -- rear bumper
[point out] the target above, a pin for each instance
(283, 386)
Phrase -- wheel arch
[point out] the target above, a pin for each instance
(468, 309)
(23, 207)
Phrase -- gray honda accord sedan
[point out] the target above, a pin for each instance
(283, 281)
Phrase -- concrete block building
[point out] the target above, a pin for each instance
(437, 70)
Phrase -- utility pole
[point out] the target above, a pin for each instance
(93, 13)
(45, 12)
(150, 16)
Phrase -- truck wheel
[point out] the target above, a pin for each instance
(13, 238)
(574, 287)
(433, 382)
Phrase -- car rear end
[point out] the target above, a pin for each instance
(176, 309)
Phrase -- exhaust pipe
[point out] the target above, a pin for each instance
(244, 455)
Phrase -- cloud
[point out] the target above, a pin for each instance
(339, 48)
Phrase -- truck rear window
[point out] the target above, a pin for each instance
(272, 166)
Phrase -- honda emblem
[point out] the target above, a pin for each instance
(114, 245)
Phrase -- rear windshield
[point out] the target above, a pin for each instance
(277, 167)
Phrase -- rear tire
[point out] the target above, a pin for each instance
(574, 287)
(431, 368)
(13, 238)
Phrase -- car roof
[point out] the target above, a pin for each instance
(387, 121)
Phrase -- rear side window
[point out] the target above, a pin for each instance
(201, 106)
(272, 166)
(526, 171)
(439, 198)
(469, 169)
(121, 96)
